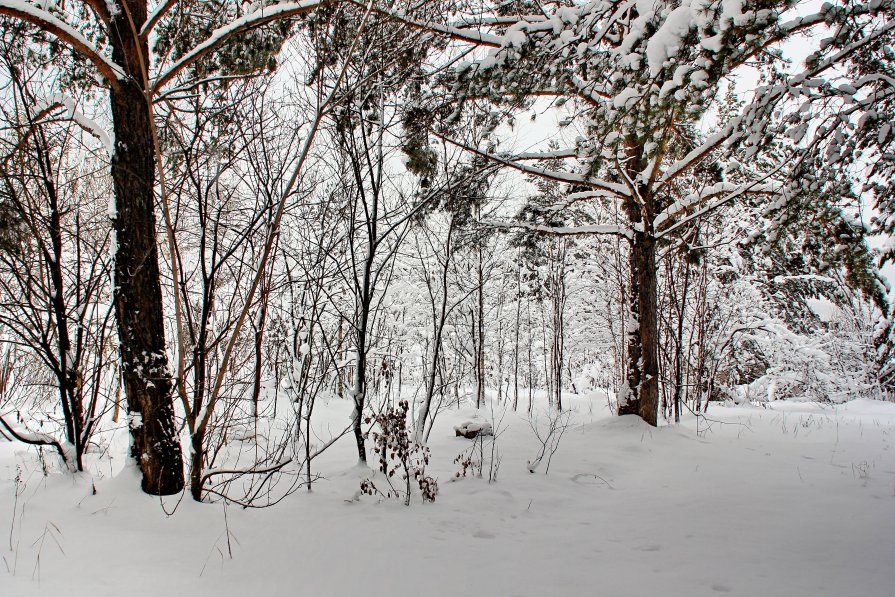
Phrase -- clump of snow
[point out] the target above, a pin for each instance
(471, 429)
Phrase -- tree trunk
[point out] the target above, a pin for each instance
(678, 355)
(197, 464)
(479, 331)
(557, 304)
(518, 325)
(421, 433)
(643, 371)
(138, 296)
(67, 369)
(359, 391)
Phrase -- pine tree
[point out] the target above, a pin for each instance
(642, 76)
(111, 41)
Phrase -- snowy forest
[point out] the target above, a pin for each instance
(600, 289)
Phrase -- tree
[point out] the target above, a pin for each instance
(55, 280)
(642, 76)
(113, 38)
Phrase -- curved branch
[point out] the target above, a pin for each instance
(585, 230)
(64, 33)
(155, 16)
(223, 34)
(36, 439)
(613, 189)
(249, 471)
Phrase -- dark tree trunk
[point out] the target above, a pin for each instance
(643, 362)
(518, 325)
(66, 371)
(359, 391)
(197, 462)
(138, 297)
(558, 300)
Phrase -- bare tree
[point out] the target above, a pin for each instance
(55, 283)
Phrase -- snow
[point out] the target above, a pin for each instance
(792, 499)
(626, 98)
(72, 113)
(664, 44)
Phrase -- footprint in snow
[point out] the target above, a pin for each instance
(648, 548)
(480, 534)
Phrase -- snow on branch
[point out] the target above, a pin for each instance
(694, 157)
(223, 34)
(89, 126)
(558, 154)
(614, 189)
(586, 230)
(65, 450)
(477, 38)
(156, 15)
(871, 8)
(591, 91)
(710, 199)
(573, 198)
(481, 21)
(64, 32)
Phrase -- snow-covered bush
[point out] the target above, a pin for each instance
(834, 363)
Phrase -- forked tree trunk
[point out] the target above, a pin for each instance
(138, 296)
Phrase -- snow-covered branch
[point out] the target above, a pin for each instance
(614, 189)
(62, 31)
(477, 37)
(89, 126)
(223, 34)
(559, 154)
(156, 15)
(590, 91)
(695, 157)
(65, 450)
(716, 190)
(710, 199)
(586, 230)
(468, 22)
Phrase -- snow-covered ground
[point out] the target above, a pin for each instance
(792, 499)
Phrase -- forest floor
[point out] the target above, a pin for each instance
(789, 499)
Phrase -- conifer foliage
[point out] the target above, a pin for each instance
(642, 76)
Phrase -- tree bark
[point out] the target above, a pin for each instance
(197, 462)
(138, 296)
(643, 362)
